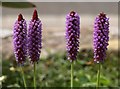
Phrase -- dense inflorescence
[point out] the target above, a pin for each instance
(34, 38)
(20, 39)
(72, 35)
(100, 37)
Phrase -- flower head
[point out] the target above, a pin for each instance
(20, 39)
(72, 35)
(34, 38)
(100, 37)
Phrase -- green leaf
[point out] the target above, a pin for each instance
(18, 4)
(90, 84)
(105, 81)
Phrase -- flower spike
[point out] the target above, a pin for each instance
(72, 35)
(100, 37)
(34, 38)
(20, 39)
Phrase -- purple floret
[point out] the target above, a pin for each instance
(20, 39)
(72, 35)
(100, 37)
(34, 38)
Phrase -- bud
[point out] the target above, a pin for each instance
(100, 37)
(20, 39)
(34, 38)
(72, 35)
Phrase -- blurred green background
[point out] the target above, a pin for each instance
(53, 69)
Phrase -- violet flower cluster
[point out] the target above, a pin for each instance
(72, 35)
(20, 39)
(101, 38)
(34, 38)
(31, 43)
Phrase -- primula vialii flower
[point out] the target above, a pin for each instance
(72, 35)
(100, 37)
(20, 39)
(34, 38)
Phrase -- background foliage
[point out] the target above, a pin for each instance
(54, 71)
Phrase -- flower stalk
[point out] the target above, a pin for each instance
(23, 76)
(100, 40)
(34, 76)
(72, 38)
(34, 41)
(19, 42)
(98, 76)
(72, 74)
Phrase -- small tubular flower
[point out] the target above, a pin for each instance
(72, 35)
(34, 38)
(20, 39)
(100, 37)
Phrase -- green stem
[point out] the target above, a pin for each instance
(72, 74)
(34, 76)
(98, 77)
(23, 77)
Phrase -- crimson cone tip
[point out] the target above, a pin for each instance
(35, 15)
(72, 13)
(20, 17)
(102, 14)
